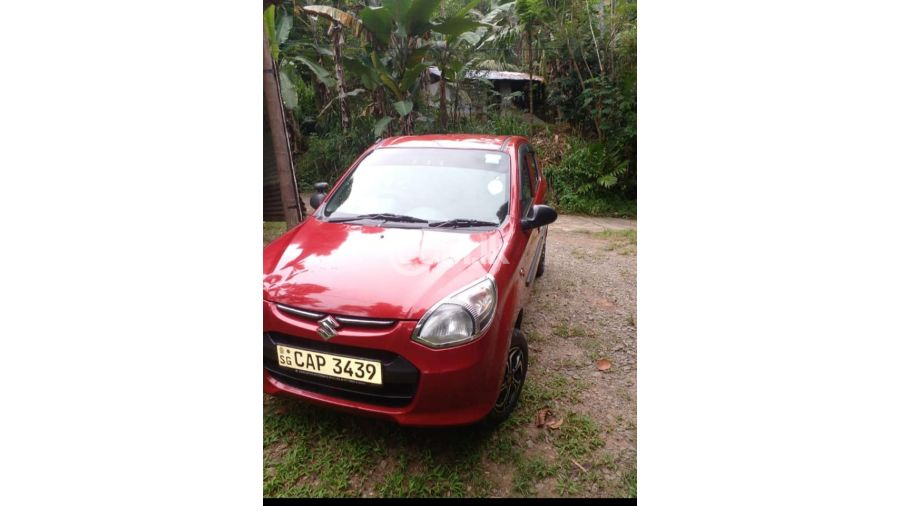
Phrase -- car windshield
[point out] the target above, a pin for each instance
(427, 186)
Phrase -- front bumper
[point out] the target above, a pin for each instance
(422, 386)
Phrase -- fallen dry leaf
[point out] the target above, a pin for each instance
(603, 364)
(606, 303)
(545, 417)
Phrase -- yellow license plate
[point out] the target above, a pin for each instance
(326, 364)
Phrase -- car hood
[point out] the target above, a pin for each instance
(375, 272)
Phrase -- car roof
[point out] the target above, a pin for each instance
(460, 141)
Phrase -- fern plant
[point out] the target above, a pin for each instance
(589, 179)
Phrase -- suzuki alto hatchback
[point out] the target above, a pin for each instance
(402, 295)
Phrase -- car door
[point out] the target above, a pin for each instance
(527, 184)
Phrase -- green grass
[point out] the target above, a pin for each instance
(504, 447)
(315, 452)
(529, 472)
(577, 437)
(567, 330)
(595, 347)
(585, 254)
(569, 483)
(577, 441)
(622, 240)
(628, 235)
(570, 363)
(630, 480)
(615, 207)
(535, 337)
(272, 230)
(429, 477)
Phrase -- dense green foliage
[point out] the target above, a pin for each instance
(591, 179)
(351, 73)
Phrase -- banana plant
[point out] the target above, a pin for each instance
(462, 33)
(397, 47)
(278, 27)
(339, 21)
(530, 14)
(505, 37)
(400, 33)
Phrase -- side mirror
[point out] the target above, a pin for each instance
(539, 216)
(319, 196)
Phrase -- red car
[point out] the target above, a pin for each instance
(402, 296)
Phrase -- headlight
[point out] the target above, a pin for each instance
(459, 318)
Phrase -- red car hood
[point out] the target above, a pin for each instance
(375, 272)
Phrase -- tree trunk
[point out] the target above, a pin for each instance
(591, 24)
(296, 136)
(555, 72)
(337, 41)
(572, 57)
(456, 104)
(443, 114)
(323, 95)
(581, 80)
(530, 81)
(587, 65)
(284, 164)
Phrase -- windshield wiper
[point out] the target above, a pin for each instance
(381, 216)
(462, 222)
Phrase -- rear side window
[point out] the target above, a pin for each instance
(532, 162)
(526, 185)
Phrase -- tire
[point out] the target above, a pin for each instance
(508, 399)
(540, 269)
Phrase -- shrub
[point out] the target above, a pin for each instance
(585, 177)
(591, 179)
(506, 123)
(330, 153)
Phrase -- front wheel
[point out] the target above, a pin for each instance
(515, 370)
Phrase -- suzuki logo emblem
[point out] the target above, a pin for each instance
(328, 327)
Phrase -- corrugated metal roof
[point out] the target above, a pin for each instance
(497, 75)
(493, 75)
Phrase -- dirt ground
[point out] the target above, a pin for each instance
(582, 310)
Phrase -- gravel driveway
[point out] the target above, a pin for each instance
(582, 310)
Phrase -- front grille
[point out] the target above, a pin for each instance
(353, 321)
(400, 378)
